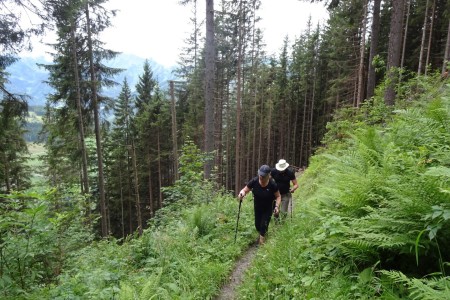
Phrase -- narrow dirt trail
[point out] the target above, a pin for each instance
(229, 290)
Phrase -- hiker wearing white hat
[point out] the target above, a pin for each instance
(283, 177)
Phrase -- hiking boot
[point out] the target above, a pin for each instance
(261, 240)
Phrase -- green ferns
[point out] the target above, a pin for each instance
(372, 215)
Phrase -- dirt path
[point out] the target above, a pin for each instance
(228, 291)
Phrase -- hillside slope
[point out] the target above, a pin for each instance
(372, 219)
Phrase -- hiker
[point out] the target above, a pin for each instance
(265, 191)
(283, 177)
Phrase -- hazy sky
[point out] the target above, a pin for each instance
(157, 28)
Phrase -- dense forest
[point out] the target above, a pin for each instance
(141, 205)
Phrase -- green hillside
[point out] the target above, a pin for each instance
(34, 122)
(371, 220)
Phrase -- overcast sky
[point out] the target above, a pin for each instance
(157, 29)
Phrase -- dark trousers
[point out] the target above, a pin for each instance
(262, 219)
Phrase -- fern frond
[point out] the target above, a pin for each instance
(151, 287)
(423, 289)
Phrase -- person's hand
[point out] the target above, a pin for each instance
(276, 211)
(241, 195)
(291, 191)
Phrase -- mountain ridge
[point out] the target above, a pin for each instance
(27, 78)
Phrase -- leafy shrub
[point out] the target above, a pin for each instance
(36, 239)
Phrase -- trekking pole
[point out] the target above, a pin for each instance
(291, 203)
(292, 207)
(237, 222)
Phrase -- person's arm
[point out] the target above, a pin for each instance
(294, 181)
(277, 202)
(243, 192)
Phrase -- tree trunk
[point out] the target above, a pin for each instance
(150, 186)
(98, 137)
(218, 144)
(238, 105)
(294, 137)
(160, 201)
(136, 189)
(130, 171)
(255, 94)
(174, 131)
(84, 164)
(209, 86)
(302, 139)
(430, 36)
(269, 128)
(313, 99)
(405, 34)
(371, 80)
(447, 50)
(362, 50)
(122, 217)
(260, 135)
(422, 44)
(394, 49)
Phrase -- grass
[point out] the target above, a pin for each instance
(36, 164)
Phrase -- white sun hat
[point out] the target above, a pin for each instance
(281, 165)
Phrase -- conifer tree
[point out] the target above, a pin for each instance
(77, 76)
(15, 174)
(120, 168)
(143, 135)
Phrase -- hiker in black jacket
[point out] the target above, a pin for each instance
(265, 192)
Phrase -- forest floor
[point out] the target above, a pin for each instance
(229, 290)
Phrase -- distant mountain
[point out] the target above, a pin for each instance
(26, 77)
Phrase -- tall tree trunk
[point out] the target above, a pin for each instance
(238, 105)
(313, 100)
(260, 155)
(394, 49)
(150, 185)
(98, 137)
(302, 139)
(82, 143)
(136, 189)
(269, 129)
(362, 50)
(447, 50)
(174, 131)
(228, 176)
(122, 217)
(422, 44)
(130, 170)
(218, 144)
(209, 85)
(255, 94)
(160, 201)
(405, 34)
(371, 80)
(430, 36)
(294, 137)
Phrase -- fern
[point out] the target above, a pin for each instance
(422, 289)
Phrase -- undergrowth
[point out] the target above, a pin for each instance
(372, 214)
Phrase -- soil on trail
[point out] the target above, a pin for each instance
(228, 291)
